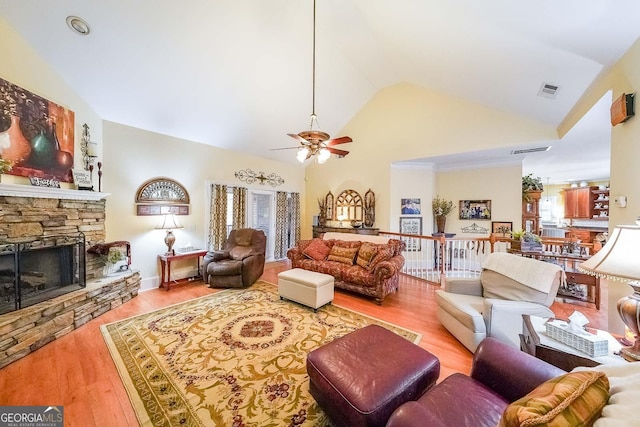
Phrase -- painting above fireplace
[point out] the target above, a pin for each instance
(36, 135)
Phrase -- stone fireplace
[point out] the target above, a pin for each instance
(44, 237)
(37, 271)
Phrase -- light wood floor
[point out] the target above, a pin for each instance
(76, 371)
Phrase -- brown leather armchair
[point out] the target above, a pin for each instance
(240, 263)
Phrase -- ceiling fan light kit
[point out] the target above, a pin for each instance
(314, 142)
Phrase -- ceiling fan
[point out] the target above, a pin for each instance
(315, 142)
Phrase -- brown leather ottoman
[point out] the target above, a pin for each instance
(362, 377)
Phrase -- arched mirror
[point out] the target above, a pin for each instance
(349, 206)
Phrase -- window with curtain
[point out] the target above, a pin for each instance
(229, 208)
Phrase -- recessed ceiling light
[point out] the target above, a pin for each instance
(78, 25)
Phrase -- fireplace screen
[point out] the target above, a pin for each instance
(41, 270)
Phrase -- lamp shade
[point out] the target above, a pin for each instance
(323, 155)
(169, 222)
(618, 259)
(302, 154)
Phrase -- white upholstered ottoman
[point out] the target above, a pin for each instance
(306, 287)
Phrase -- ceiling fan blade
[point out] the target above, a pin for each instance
(284, 148)
(337, 151)
(298, 138)
(336, 141)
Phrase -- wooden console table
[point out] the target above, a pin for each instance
(167, 259)
(317, 230)
(569, 263)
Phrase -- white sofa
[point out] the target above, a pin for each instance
(493, 304)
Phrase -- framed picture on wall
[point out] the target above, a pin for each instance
(475, 209)
(410, 206)
(411, 225)
(502, 228)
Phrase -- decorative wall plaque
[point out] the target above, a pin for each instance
(160, 196)
(250, 177)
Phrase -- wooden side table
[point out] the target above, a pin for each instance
(535, 341)
(165, 264)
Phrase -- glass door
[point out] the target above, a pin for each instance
(262, 216)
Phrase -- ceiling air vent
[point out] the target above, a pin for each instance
(530, 150)
(548, 90)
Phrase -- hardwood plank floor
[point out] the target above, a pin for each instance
(77, 371)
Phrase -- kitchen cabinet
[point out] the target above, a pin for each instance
(579, 202)
(578, 234)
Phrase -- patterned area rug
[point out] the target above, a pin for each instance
(233, 358)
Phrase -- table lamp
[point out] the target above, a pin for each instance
(619, 260)
(169, 223)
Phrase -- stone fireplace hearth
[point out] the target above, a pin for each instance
(29, 215)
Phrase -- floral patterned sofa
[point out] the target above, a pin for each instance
(368, 265)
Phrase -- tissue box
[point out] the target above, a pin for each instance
(593, 345)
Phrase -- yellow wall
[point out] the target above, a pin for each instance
(502, 185)
(624, 77)
(133, 156)
(412, 182)
(404, 122)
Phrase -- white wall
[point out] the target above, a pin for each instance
(21, 65)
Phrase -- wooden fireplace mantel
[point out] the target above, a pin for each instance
(19, 190)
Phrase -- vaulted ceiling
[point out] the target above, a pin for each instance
(237, 73)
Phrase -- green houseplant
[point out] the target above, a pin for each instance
(530, 184)
(441, 208)
(526, 241)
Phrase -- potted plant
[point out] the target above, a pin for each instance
(441, 208)
(531, 184)
(526, 241)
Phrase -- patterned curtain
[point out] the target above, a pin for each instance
(218, 218)
(287, 222)
(239, 207)
(294, 219)
(282, 234)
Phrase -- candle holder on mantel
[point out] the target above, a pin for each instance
(100, 176)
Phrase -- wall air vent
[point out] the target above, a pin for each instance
(530, 150)
(548, 90)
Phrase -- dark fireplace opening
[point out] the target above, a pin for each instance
(37, 271)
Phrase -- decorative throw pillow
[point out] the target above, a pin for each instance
(366, 253)
(384, 253)
(316, 250)
(345, 243)
(573, 399)
(342, 254)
